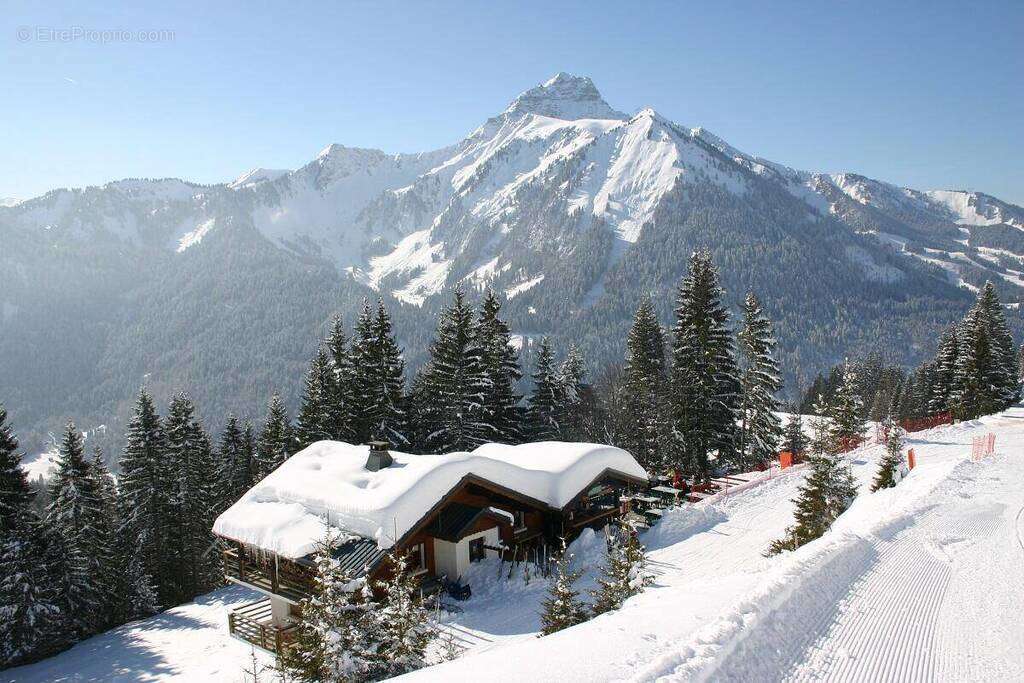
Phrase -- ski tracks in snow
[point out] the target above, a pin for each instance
(918, 598)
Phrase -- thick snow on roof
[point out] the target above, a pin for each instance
(326, 486)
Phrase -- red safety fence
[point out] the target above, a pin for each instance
(920, 423)
(982, 446)
(911, 459)
(785, 459)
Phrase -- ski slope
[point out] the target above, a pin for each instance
(920, 582)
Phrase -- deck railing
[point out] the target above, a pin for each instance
(253, 623)
(268, 574)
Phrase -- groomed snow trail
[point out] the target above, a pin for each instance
(918, 583)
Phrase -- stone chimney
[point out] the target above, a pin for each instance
(379, 457)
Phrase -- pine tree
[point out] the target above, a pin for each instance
(454, 383)
(562, 607)
(30, 617)
(944, 371)
(237, 460)
(645, 389)
(274, 445)
(76, 515)
(108, 559)
(1005, 371)
(401, 623)
(705, 387)
(499, 367)
(847, 426)
(341, 407)
(143, 490)
(794, 440)
(624, 572)
(544, 405)
(317, 420)
(197, 498)
(760, 427)
(976, 381)
(379, 378)
(825, 494)
(889, 465)
(573, 392)
(335, 640)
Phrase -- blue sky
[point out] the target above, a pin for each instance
(926, 94)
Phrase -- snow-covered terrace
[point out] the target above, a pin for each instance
(326, 489)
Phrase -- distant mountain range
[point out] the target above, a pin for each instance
(571, 209)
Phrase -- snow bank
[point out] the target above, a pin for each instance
(326, 486)
(679, 523)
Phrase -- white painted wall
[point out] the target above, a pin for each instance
(452, 559)
(279, 609)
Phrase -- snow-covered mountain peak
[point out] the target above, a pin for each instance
(257, 176)
(564, 96)
(9, 201)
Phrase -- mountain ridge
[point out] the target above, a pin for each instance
(571, 220)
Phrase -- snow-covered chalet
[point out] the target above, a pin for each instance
(444, 512)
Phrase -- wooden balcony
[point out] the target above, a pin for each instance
(253, 623)
(268, 574)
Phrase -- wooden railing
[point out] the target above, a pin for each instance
(271, 574)
(253, 623)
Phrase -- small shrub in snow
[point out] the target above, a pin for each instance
(335, 640)
(624, 572)
(889, 466)
(563, 607)
(400, 623)
(826, 493)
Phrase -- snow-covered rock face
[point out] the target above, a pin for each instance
(564, 96)
(519, 193)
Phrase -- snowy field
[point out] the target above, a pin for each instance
(921, 582)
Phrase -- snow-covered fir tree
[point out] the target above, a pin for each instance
(544, 405)
(562, 607)
(944, 371)
(144, 486)
(454, 383)
(31, 624)
(760, 427)
(977, 381)
(826, 493)
(340, 397)
(379, 378)
(890, 463)
(793, 440)
(645, 423)
(78, 516)
(335, 641)
(846, 411)
(401, 624)
(499, 366)
(624, 572)
(574, 396)
(317, 419)
(1005, 367)
(704, 382)
(275, 441)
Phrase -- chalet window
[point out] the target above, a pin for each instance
(417, 559)
(519, 520)
(477, 551)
